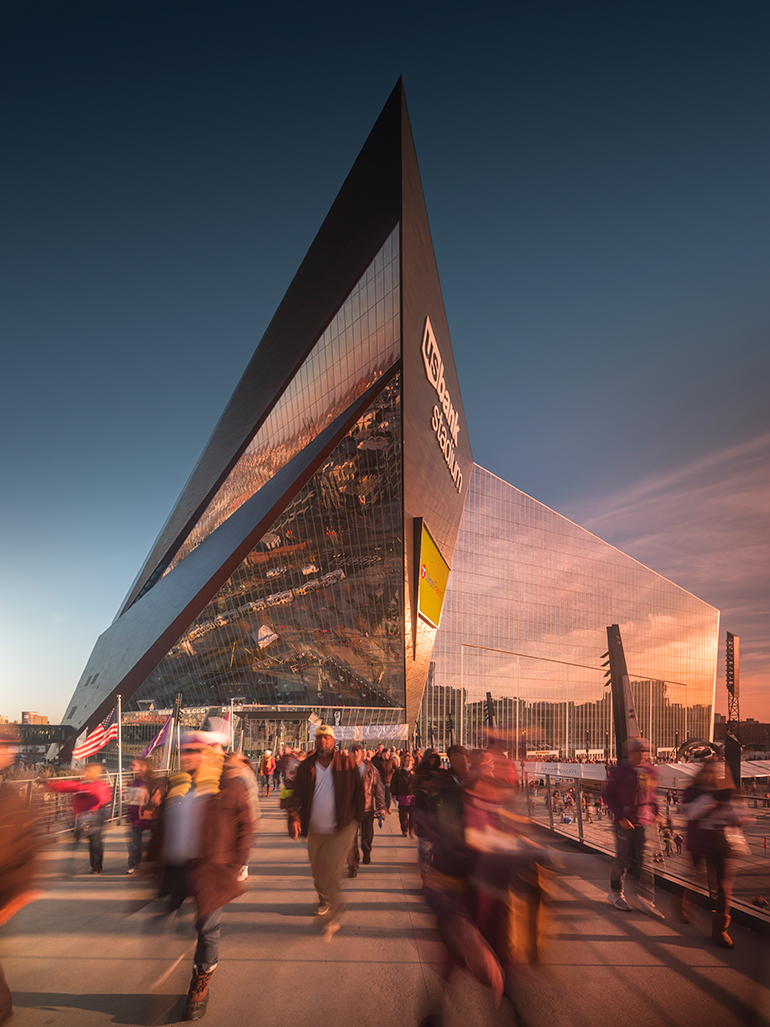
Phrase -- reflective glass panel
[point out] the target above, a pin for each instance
(361, 342)
(525, 618)
(313, 616)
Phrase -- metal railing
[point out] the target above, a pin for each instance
(582, 821)
(53, 811)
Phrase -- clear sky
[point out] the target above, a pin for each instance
(596, 178)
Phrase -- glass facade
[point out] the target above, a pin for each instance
(313, 617)
(362, 341)
(529, 600)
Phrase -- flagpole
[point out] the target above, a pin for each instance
(120, 758)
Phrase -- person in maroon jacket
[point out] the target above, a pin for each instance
(90, 795)
(326, 807)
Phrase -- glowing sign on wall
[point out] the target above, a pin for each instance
(434, 574)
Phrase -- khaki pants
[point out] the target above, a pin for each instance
(328, 853)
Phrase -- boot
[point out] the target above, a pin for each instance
(198, 995)
(719, 924)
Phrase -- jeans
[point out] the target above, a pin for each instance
(135, 844)
(207, 927)
(723, 871)
(405, 818)
(628, 843)
(95, 849)
(367, 837)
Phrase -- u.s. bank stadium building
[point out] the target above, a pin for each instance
(304, 572)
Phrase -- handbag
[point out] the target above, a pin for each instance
(87, 824)
(737, 846)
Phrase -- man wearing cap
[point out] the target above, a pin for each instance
(631, 797)
(202, 842)
(326, 807)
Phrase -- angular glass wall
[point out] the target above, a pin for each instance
(362, 341)
(313, 616)
(529, 599)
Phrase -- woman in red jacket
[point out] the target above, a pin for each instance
(89, 797)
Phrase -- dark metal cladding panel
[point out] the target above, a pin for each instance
(430, 491)
(364, 213)
(136, 643)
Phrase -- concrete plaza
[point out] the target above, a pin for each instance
(90, 952)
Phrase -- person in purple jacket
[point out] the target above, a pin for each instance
(630, 795)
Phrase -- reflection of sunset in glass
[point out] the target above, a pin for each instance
(313, 616)
(361, 342)
(525, 618)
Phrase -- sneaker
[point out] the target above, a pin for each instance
(95, 871)
(322, 908)
(648, 907)
(131, 870)
(618, 900)
(352, 872)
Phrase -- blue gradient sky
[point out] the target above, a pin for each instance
(597, 185)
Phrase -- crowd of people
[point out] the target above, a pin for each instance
(481, 865)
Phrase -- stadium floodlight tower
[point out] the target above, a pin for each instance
(732, 729)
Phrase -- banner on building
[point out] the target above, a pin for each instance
(373, 732)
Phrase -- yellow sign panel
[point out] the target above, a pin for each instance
(434, 574)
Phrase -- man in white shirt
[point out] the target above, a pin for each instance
(326, 807)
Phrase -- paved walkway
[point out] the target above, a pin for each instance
(89, 953)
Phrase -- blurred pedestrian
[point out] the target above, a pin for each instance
(387, 766)
(374, 805)
(403, 785)
(144, 796)
(18, 845)
(266, 771)
(426, 775)
(240, 766)
(711, 809)
(630, 795)
(326, 807)
(202, 842)
(90, 797)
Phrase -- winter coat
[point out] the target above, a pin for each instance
(708, 812)
(226, 834)
(349, 793)
(88, 796)
(18, 845)
(630, 793)
(374, 790)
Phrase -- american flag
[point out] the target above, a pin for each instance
(106, 732)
